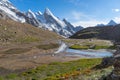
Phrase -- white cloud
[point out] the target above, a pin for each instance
(78, 18)
(76, 15)
(88, 23)
(116, 10)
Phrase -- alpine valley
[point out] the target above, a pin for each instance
(41, 46)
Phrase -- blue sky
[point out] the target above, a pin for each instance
(78, 12)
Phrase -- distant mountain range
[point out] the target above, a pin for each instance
(108, 32)
(47, 20)
(111, 23)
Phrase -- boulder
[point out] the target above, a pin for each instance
(115, 74)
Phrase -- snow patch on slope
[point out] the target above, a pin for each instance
(9, 9)
(113, 23)
(12, 15)
(48, 12)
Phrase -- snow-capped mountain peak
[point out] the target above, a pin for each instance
(39, 13)
(30, 14)
(9, 11)
(65, 20)
(32, 18)
(112, 22)
(29, 10)
(4, 0)
(49, 16)
(47, 20)
(7, 3)
(48, 12)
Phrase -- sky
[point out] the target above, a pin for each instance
(78, 12)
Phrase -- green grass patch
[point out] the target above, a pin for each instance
(96, 47)
(55, 71)
(101, 47)
(73, 70)
(104, 47)
(16, 51)
(112, 47)
(79, 47)
(28, 39)
(12, 76)
(1, 78)
(48, 46)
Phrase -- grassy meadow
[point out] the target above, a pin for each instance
(72, 70)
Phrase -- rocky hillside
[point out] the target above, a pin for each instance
(108, 32)
(11, 31)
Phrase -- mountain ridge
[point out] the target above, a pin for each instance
(45, 20)
(110, 23)
(107, 33)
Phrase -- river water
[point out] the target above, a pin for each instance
(86, 53)
(90, 53)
